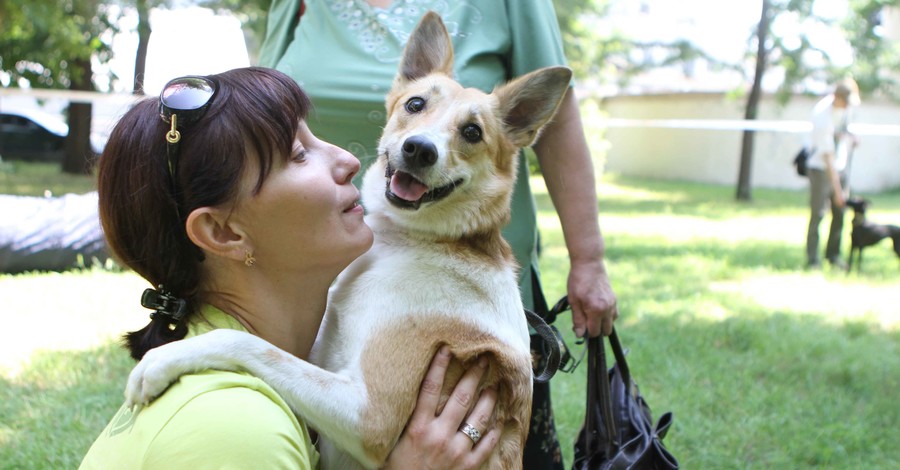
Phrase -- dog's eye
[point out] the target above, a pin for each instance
(472, 133)
(415, 105)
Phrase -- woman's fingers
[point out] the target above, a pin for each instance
(483, 449)
(437, 441)
(480, 417)
(430, 390)
(464, 393)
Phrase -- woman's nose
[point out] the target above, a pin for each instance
(346, 165)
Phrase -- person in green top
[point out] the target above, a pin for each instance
(220, 196)
(356, 47)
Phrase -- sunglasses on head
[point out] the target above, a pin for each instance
(183, 101)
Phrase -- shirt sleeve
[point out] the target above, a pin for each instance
(535, 36)
(281, 21)
(230, 428)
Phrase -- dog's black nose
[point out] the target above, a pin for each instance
(419, 152)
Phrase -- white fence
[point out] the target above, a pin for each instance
(697, 137)
(679, 136)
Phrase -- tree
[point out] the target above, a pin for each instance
(144, 31)
(743, 191)
(874, 58)
(51, 44)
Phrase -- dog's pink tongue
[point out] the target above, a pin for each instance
(404, 186)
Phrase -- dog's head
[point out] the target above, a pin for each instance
(858, 204)
(448, 155)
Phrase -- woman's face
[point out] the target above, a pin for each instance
(307, 213)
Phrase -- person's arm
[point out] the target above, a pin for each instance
(566, 164)
(432, 440)
(837, 192)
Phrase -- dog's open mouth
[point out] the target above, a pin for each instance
(406, 192)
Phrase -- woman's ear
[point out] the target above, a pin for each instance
(210, 229)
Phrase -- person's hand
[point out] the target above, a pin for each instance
(434, 441)
(592, 299)
(839, 200)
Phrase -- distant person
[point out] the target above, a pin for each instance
(828, 166)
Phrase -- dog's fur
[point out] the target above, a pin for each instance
(439, 271)
(865, 233)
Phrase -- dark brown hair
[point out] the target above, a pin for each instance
(254, 114)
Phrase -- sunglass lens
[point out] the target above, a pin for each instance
(187, 93)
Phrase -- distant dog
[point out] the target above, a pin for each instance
(865, 233)
(438, 273)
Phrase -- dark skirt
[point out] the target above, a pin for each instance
(542, 449)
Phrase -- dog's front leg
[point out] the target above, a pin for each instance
(329, 402)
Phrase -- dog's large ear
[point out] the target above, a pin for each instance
(429, 50)
(530, 101)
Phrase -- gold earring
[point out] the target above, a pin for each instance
(249, 260)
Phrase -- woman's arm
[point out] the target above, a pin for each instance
(568, 171)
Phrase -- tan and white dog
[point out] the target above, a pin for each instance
(439, 271)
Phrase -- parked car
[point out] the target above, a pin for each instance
(35, 136)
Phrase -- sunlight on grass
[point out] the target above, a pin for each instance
(41, 179)
(835, 301)
(66, 311)
(6, 435)
(632, 194)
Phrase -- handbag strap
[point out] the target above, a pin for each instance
(598, 393)
(619, 353)
(553, 343)
(599, 377)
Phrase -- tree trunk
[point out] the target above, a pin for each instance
(140, 61)
(745, 186)
(80, 156)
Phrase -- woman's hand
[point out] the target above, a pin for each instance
(434, 441)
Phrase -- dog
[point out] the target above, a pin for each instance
(439, 271)
(865, 233)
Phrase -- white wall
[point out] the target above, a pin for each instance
(701, 154)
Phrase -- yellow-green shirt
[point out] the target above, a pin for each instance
(212, 419)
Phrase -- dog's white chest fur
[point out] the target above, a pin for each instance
(402, 281)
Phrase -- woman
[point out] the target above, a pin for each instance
(219, 194)
(357, 45)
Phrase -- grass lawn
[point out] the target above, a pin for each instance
(765, 365)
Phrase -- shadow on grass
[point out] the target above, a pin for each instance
(758, 389)
(52, 410)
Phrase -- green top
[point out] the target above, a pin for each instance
(345, 55)
(212, 419)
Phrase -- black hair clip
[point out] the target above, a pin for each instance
(164, 303)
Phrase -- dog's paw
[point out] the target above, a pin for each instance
(149, 378)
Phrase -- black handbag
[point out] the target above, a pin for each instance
(618, 431)
(801, 159)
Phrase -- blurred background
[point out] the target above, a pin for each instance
(727, 84)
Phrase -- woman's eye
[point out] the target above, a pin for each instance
(415, 105)
(472, 133)
(299, 155)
